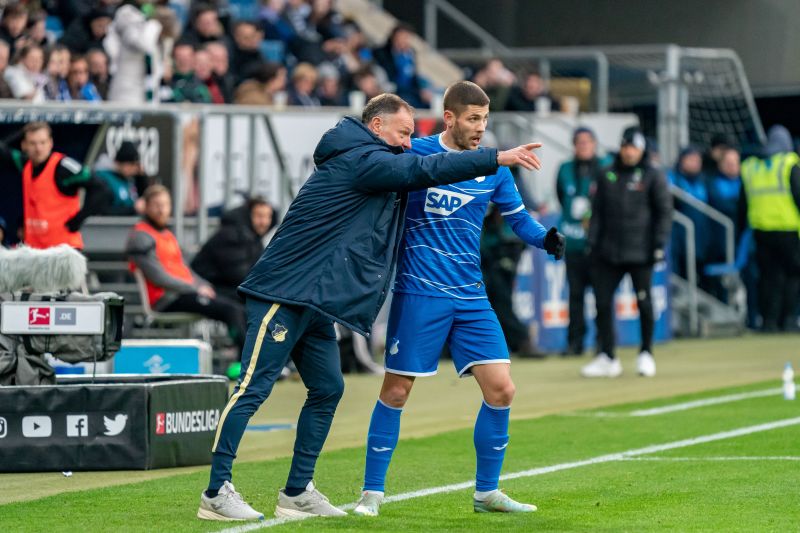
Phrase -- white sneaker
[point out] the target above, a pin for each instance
(228, 505)
(602, 366)
(499, 502)
(310, 502)
(369, 504)
(646, 365)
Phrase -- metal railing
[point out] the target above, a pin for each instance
(691, 271)
(713, 214)
(432, 9)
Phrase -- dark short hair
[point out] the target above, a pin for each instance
(15, 10)
(30, 127)
(384, 104)
(462, 94)
(255, 201)
(583, 129)
(154, 190)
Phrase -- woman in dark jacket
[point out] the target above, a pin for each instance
(227, 257)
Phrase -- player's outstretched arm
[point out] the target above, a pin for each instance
(522, 156)
(385, 171)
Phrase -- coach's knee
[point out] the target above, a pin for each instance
(500, 394)
(331, 390)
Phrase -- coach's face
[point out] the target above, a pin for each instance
(396, 128)
(468, 127)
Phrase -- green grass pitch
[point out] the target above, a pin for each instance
(742, 483)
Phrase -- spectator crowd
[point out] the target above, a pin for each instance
(282, 52)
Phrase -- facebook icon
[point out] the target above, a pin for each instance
(77, 425)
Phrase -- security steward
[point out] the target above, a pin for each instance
(51, 183)
(630, 225)
(574, 185)
(771, 205)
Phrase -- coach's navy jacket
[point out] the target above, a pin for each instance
(336, 249)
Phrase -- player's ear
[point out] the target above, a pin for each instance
(449, 118)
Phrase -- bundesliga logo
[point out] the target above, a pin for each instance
(39, 316)
(187, 422)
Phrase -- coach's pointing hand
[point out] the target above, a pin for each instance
(522, 156)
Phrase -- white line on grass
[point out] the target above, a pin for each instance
(705, 401)
(683, 406)
(748, 430)
(724, 458)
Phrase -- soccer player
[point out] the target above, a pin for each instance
(439, 297)
(330, 260)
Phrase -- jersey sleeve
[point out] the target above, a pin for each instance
(507, 198)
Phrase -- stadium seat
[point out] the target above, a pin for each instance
(181, 12)
(54, 26)
(273, 51)
(156, 318)
(243, 9)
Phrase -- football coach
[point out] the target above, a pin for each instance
(331, 260)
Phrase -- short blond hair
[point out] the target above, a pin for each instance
(154, 190)
(304, 70)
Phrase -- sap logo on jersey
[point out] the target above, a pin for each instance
(444, 202)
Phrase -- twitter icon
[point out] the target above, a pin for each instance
(114, 426)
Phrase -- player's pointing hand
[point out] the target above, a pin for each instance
(521, 155)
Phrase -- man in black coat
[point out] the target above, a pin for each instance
(331, 259)
(227, 257)
(629, 227)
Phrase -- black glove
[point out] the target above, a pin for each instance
(73, 224)
(554, 243)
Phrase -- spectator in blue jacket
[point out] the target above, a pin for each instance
(397, 58)
(688, 176)
(331, 259)
(724, 191)
(724, 188)
(80, 88)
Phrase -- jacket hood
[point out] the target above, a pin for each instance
(684, 153)
(347, 135)
(238, 216)
(779, 140)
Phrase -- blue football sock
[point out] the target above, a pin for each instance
(384, 431)
(491, 439)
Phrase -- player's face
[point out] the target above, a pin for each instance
(396, 129)
(37, 145)
(468, 127)
(158, 209)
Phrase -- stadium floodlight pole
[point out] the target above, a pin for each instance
(669, 102)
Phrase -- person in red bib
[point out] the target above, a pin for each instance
(51, 182)
(171, 285)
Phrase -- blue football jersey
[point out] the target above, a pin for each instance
(440, 251)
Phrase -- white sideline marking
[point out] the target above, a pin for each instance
(704, 402)
(723, 458)
(748, 430)
(683, 406)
